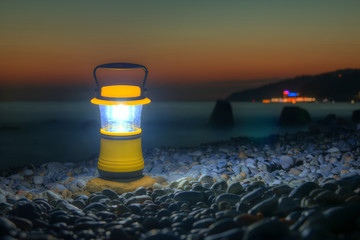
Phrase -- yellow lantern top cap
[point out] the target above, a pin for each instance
(120, 91)
(120, 94)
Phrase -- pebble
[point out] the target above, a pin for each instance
(2, 198)
(28, 172)
(328, 197)
(253, 196)
(7, 227)
(183, 183)
(286, 161)
(295, 171)
(191, 196)
(282, 189)
(140, 191)
(206, 179)
(52, 196)
(159, 235)
(38, 180)
(230, 198)
(95, 206)
(267, 207)
(18, 177)
(267, 229)
(235, 188)
(221, 226)
(137, 199)
(221, 186)
(22, 223)
(287, 205)
(55, 167)
(303, 190)
(235, 233)
(117, 232)
(203, 223)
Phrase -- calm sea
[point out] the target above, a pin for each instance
(37, 132)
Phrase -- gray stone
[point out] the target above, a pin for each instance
(22, 223)
(266, 229)
(140, 191)
(253, 196)
(111, 194)
(266, 207)
(282, 189)
(38, 180)
(303, 190)
(334, 151)
(221, 163)
(342, 219)
(286, 161)
(191, 196)
(287, 205)
(203, 223)
(222, 226)
(185, 158)
(328, 197)
(137, 199)
(17, 176)
(268, 177)
(55, 167)
(206, 179)
(2, 198)
(235, 233)
(52, 196)
(221, 186)
(174, 184)
(325, 170)
(95, 206)
(183, 183)
(28, 172)
(193, 173)
(159, 235)
(295, 171)
(175, 176)
(81, 183)
(7, 227)
(262, 166)
(235, 188)
(156, 170)
(230, 198)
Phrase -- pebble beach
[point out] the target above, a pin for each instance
(294, 186)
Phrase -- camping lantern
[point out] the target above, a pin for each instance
(120, 110)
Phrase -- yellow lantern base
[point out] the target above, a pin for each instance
(120, 157)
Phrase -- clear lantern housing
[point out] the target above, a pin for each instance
(120, 118)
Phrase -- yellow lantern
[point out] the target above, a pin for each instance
(120, 109)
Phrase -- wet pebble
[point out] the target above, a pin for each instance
(235, 188)
(191, 196)
(267, 229)
(230, 198)
(110, 194)
(303, 190)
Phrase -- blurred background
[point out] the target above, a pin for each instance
(196, 52)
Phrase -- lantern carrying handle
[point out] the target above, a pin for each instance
(121, 66)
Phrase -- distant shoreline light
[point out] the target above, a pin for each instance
(289, 97)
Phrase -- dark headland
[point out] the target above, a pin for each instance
(340, 85)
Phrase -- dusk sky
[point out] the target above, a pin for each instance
(188, 42)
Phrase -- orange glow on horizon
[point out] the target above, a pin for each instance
(59, 43)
